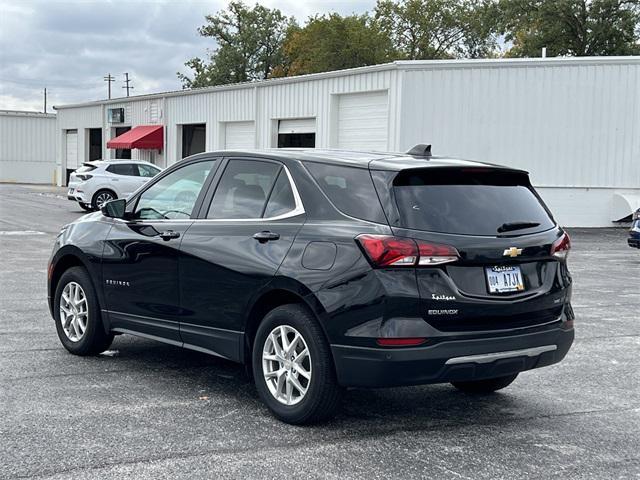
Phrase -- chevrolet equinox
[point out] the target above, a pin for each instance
(325, 269)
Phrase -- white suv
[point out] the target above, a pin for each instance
(100, 181)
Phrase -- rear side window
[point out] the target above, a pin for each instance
(349, 189)
(281, 200)
(123, 169)
(243, 189)
(469, 202)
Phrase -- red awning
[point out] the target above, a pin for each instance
(148, 137)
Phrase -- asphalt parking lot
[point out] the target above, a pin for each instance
(148, 410)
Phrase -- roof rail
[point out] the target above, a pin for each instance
(420, 150)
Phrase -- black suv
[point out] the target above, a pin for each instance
(325, 269)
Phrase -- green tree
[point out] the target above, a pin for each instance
(333, 42)
(249, 45)
(571, 27)
(433, 29)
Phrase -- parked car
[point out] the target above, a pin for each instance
(323, 270)
(100, 181)
(634, 233)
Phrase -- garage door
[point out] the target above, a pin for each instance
(297, 125)
(363, 121)
(239, 135)
(72, 149)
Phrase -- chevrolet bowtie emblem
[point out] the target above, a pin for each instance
(512, 252)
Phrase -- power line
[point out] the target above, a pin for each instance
(109, 79)
(126, 81)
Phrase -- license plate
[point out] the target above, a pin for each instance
(70, 191)
(504, 279)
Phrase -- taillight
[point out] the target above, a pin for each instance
(436, 254)
(560, 248)
(389, 251)
(84, 176)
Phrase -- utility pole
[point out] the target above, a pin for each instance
(45, 99)
(126, 81)
(109, 78)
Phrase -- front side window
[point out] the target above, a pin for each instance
(174, 196)
(243, 189)
(128, 169)
(147, 170)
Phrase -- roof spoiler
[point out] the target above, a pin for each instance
(420, 150)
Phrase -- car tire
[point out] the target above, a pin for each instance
(489, 385)
(101, 197)
(322, 393)
(85, 206)
(77, 314)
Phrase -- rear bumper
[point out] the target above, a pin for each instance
(448, 361)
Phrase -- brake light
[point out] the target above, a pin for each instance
(400, 342)
(436, 254)
(385, 250)
(389, 251)
(560, 248)
(84, 176)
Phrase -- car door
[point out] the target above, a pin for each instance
(123, 178)
(140, 259)
(234, 249)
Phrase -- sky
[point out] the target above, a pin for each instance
(68, 46)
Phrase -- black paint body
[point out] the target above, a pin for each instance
(208, 288)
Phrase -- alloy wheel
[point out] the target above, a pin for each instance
(286, 365)
(103, 198)
(74, 311)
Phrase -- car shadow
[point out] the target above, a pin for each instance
(382, 409)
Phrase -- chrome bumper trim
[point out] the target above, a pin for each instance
(491, 357)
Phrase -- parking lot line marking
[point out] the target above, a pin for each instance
(22, 232)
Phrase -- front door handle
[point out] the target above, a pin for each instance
(265, 236)
(169, 234)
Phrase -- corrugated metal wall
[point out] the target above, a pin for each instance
(574, 123)
(27, 147)
(268, 102)
(570, 123)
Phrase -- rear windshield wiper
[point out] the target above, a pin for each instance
(509, 227)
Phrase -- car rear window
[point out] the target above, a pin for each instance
(350, 189)
(469, 202)
(86, 168)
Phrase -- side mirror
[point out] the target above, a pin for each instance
(114, 208)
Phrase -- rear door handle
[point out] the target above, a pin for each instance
(265, 236)
(169, 234)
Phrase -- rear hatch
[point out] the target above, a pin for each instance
(505, 275)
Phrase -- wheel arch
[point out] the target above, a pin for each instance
(278, 293)
(68, 257)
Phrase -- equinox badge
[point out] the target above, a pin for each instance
(512, 252)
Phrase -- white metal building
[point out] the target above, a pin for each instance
(574, 123)
(27, 147)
